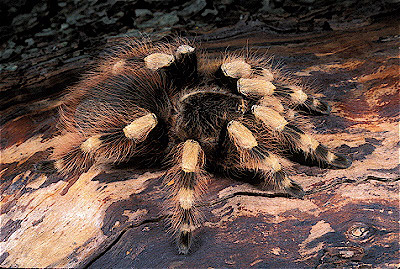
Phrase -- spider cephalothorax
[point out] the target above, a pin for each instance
(168, 103)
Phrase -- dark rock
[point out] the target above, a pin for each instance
(161, 20)
(46, 32)
(141, 12)
(207, 12)
(29, 42)
(6, 53)
(193, 8)
(21, 19)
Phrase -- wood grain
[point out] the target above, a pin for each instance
(113, 217)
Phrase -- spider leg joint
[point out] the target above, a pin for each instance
(91, 144)
(236, 69)
(184, 49)
(141, 127)
(190, 156)
(247, 86)
(241, 135)
(269, 117)
(157, 61)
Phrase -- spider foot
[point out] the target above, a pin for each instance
(283, 182)
(294, 189)
(184, 242)
(341, 161)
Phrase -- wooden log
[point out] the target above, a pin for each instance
(114, 218)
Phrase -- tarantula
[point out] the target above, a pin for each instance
(168, 103)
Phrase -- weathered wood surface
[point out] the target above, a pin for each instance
(113, 218)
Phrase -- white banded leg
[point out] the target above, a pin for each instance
(158, 60)
(302, 101)
(239, 72)
(180, 67)
(255, 157)
(113, 146)
(296, 139)
(231, 70)
(186, 181)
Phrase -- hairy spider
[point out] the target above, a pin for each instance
(168, 103)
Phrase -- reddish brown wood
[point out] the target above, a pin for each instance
(113, 218)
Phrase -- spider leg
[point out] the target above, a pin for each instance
(293, 95)
(254, 156)
(256, 81)
(70, 159)
(302, 101)
(110, 146)
(231, 71)
(121, 141)
(186, 181)
(180, 66)
(296, 139)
